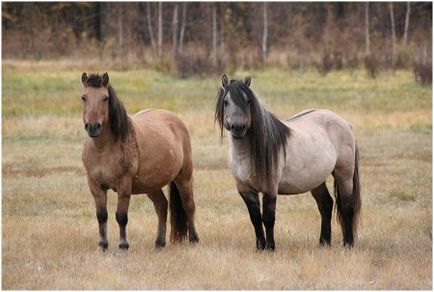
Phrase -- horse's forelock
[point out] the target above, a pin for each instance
(240, 93)
(94, 80)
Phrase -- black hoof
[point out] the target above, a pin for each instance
(193, 239)
(103, 245)
(124, 245)
(260, 245)
(324, 242)
(160, 243)
(348, 241)
(348, 245)
(270, 247)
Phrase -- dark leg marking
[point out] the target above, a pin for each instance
(345, 205)
(102, 216)
(325, 207)
(269, 212)
(252, 202)
(122, 219)
(348, 217)
(160, 205)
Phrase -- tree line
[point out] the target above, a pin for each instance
(216, 35)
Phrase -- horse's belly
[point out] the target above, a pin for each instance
(299, 187)
(305, 179)
(152, 177)
(146, 187)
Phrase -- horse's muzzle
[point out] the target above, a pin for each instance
(238, 131)
(93, 129)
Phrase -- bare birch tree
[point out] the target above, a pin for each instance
(160, 28)
(368, 50)
(150, 29)
(182, 31)
(265, 31)
(222, 31)
(175, 30)
(121, 28)
(214, 31)
(392, 24)
(407, 22)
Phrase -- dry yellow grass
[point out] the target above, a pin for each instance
(49, 238)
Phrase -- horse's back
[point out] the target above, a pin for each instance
(314, 120)
(319, 116)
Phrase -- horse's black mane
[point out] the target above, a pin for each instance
(267, 133)
(119, 121)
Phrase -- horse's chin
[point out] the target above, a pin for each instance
(238, 136)
(94, 134)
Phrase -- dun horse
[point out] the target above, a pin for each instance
(136, 155)
(289, 157)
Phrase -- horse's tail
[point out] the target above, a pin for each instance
(178, 217)
(355, 200)
(356, 193)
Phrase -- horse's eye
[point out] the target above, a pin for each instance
(105, 98)
(226, 102)
(83, 98)
(248, 101)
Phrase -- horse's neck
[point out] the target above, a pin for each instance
(239, 149)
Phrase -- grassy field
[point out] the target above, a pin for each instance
(48, 217)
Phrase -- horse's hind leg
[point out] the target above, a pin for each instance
(325, 207)
(185, 187)
(160, 205)
(345, 204)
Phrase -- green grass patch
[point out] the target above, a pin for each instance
(37, 93)
(421, 128)
(402, 196)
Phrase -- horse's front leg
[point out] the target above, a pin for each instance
(100, 196)
(268, 216)
(252, 202)
(124, 193)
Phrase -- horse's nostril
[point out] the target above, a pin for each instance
(233, 127)
(243, 126)
(98, 125)
(86, 126)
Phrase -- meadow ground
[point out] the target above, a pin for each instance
(49, 237)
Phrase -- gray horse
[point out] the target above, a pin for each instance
(289, 157)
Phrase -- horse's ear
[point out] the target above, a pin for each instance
(84, 78)
(105, 79)
(225, 80)
(248, 80)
